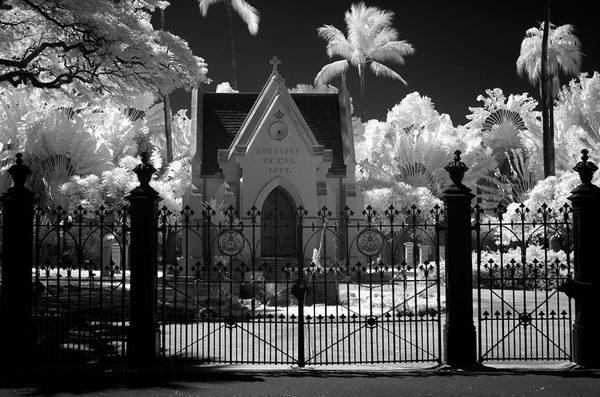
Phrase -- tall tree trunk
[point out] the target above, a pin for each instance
(167, 108)
(551, 96)
(551, 125)
(168, 128)
(232, 46)
(363, 99)
(548, 138)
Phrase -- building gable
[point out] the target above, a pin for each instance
(225, 114)
(274, 103)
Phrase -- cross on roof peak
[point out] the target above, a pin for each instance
(275, 62)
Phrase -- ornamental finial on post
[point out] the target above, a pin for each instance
(19, 172)
(144, 170)
(457, 169)
(585, 168)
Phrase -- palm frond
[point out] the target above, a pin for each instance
(522, 178)
(529, 63)
(385, 36)
(382, 70)
(564, 52)
(394, 51)
(330, 71)
(354, 21)
(417, 175)
(337, 44)
(532, 32)
(249, 15)
(365, 23)
(204, 5)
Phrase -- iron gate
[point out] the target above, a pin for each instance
(358, 290)
(80, 283)
(523, 257)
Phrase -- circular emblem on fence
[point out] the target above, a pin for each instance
(369, 242)
(230, 242)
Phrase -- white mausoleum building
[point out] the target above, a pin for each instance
(274, 151)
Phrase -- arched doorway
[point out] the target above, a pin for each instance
(278, 231)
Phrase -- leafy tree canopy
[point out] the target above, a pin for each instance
(92, 47)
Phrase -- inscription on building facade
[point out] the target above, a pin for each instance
(279, 160)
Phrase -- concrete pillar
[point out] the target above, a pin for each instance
(143, 339)
(585, 288)
(17, 261)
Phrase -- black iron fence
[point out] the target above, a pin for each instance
(80, 283)
(522, 258)
(289, 287)
(354, 290)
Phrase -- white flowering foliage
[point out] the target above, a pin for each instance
(93, 46)
(89, 146)
(552, 191)
(577, 116)
(57, 139)
(225, 88)
(111, 187)
(181, 131)
(402, 196)
(510, 130)
(411, 148)
(317, 88)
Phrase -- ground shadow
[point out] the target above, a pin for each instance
(181, 376)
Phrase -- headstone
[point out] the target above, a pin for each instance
(409, 253)
(423, 253)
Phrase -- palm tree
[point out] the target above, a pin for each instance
(370, 41)
(561, 55)
(249, 15)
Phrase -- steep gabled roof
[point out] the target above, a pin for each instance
(224, 114)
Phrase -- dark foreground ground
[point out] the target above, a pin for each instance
(192, 381)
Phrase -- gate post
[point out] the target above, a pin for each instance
(17, 260)
(143, 338)
(586, 286)
(459, 331)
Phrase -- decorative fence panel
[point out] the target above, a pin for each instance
(289, 287)
(522, 257)
(80, 297)
(355, 291)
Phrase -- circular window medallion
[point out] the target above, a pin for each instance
(369, 242)
(230, 242)
(279, 130)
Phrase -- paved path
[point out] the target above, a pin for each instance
(312, 383)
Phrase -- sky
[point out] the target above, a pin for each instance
(462, 47)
